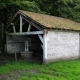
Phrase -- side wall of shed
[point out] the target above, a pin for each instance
(62, 45)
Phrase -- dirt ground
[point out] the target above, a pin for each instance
(17, 74)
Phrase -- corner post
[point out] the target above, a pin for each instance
(45, 46)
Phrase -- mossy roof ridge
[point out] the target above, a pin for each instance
(52, 21)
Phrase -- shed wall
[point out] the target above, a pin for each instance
(62, 45)
(15, 43)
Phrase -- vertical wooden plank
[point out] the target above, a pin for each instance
(44, 47)
(29, 27)
(14, 29)
(20, 24)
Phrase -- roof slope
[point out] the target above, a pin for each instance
(52, 21)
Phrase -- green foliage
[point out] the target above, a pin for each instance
(62, 8)
(29, 6)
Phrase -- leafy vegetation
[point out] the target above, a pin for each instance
(62, 70)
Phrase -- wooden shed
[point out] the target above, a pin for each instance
(52, 37)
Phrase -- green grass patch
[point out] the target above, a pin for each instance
(62, 70)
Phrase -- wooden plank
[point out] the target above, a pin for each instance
(27, 33)
(20, 24)
(14, 29)
(41, 38)
(29, 27)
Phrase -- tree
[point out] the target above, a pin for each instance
(62, 8)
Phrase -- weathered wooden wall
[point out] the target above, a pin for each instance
(62, 45)
(16, 44)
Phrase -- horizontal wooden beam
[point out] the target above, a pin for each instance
(17, 24)
(27, 33)
(12, 24)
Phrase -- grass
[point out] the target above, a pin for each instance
(23, 70)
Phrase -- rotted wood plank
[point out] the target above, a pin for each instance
(27, 33)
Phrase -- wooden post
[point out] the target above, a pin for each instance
(44, 47)
(41, 38)
(15, 57)
(14, 29)
(20, 24)
(29, 27)
(79, 44)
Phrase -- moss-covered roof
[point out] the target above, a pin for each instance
(52, 21)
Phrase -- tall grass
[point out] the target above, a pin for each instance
(62, 70)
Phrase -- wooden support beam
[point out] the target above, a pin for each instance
(41, 38)
(29, 27)
(15, 57)
(23, 23)
(12, 24)
(44, 47)
(20, 24)
(15, 23)
(36, 26)
(25, 19)
(27, 33)
(14, 29)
